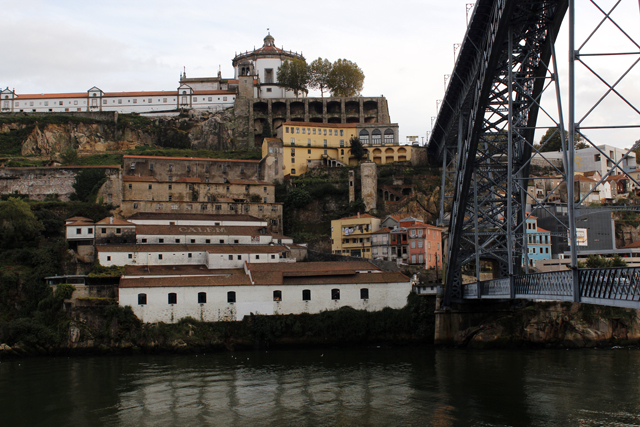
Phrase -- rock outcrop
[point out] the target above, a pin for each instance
(564, 325)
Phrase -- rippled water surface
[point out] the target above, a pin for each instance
(368, 387)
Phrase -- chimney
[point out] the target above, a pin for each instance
(358, 214)
(110, 220)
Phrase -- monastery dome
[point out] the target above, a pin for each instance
(268, 50)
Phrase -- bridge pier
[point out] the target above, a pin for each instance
(464, 316)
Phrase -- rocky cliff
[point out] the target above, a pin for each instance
(566, 325)
(48, 135)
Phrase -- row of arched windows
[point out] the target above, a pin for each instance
(376, 137)
(172, 297)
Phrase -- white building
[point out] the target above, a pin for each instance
(95, 100)
(213, 256)
(591, 159)
(227, 220)
(263, 64)
(157, 295)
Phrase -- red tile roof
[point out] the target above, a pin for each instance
(158, 216)
(114, 221)
(360, 216)
(130, 178)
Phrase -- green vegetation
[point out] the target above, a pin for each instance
(32, 246)
(87, 183)
(357, 150)
(319, 71)
(111, 271)
(294, 75)
(345, 78)
(596, 261)
(551, 140)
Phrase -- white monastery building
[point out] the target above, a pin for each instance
(159, 294)
(199, 93)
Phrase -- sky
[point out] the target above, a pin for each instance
(405, 48)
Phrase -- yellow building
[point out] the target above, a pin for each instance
(307, 145)
(351, 236)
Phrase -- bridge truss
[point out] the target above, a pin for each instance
(485, 128)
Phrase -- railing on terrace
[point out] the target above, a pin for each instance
(618, 287)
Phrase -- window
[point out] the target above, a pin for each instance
(130, 256)
(177, 240)
(172, 298)
(286, 130)
(342, 144)
(273, 257)
(277, 295)
(160, 240)
(130, 186)
(142, 299)
(208, 241)
(144, 240)
(159, 256)
(193, 240)
(325, 142)
(118, 231)
(108, 258)
(335, 294)
(309, 151)
(341, 132)
(231, 296)
(78, 230)
(364, 293)
(293, 171)
(239, 257)
(90, 230)
(330, 130)
(150, 186)
(306, 295)
(202, 297)
(230, 257)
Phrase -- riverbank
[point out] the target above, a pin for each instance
(114, 330)
(542, 325)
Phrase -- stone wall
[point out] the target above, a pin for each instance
(39, 182)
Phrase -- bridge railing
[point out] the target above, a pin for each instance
(555, 285)
(619, 285)
(605, 286)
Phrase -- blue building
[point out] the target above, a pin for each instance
(538, 242)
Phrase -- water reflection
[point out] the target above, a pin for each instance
(370, 387)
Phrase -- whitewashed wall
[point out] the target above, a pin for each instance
(227, 239)
(257, 299)
(212, 260)
(86, 232)
(203, 223)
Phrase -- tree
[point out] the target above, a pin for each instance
(87, 184)
(69, 156)
(552, 142)
(294, 74)
(357, 150)
(319, 71)
(266, 130)
(19, 227)
(345, 78)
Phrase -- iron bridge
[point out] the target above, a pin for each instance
(483, 137)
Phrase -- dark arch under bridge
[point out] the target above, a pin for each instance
(483, 136)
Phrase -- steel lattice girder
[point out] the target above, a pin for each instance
(501, 69)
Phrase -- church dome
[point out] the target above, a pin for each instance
(268, 50)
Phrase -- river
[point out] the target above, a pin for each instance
(327, 387)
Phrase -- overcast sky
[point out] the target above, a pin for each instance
(404, 47)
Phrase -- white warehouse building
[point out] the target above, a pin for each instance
(155, 295)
